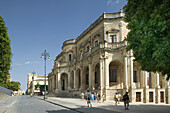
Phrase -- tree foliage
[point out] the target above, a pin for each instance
(149, 36)
(5, 52)
(14, 86)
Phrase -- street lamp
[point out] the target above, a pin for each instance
(33, 83)
(45, 55)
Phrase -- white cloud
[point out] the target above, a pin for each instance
(17, 64)
(30, 62)
(27, 62)
(112, 2)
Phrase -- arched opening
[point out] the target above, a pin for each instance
(86, 72)
(64, 81)
(78, 78)
(97, 76)
(114, 74)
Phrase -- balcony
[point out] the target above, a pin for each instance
(116, 45)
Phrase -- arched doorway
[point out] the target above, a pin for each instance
(78, 78)
(64, 81)
(114, 74)
(97, 76)
(86, 76)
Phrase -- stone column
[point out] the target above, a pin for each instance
(93, 79)
(168, 93)
(90, 77)
(157, 80)
(125, 74)
(131, 72)
(69, 80)
(121, 25)
(101, 78)
(107, 74)
(59, 81)
(56, 75)
(52, 84)
(157, 91)
(75, 79)
(146, 88)
(82, 79)
(132, 91)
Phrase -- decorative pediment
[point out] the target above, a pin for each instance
(112, 31)
(70, 51)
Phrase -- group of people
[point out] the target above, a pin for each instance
(97, 97)
(125, 99)
(90, 97)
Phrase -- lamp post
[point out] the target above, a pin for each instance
(45, 55)
(33, 83)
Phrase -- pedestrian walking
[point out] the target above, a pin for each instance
(92, 96)
(104, 97)
(95, 97)
(126, 100)
(31, 94)
(116, 99)
(82, 95)
(89, 99)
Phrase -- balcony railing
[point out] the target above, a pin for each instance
(107, 45)
(116, 45)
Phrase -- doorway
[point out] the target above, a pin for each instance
(162, 96)
(150, 96)
(138, 96)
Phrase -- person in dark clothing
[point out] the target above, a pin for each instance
(126, 100)
(89, 99)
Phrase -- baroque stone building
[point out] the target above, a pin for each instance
(97, 60)
(36, 80)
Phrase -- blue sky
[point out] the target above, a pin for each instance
(36, 25)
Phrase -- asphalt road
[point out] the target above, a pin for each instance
(27, 104)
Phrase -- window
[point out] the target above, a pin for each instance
(113, 75)
(69, 57)
(88, 48)
(134, 76)
(95, 77)
(96, 43)
(113, 38)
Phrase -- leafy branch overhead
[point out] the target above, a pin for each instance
(5, 52)
(149, 36)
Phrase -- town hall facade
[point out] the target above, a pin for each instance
(97, 60)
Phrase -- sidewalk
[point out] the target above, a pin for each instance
(80, 106)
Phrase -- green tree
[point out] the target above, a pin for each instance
(14, 86)
(5, 52)
(149, 36)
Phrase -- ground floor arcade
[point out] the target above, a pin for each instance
(110, 77)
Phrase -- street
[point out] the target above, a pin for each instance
(26, 104)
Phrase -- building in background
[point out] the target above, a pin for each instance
(36, 84)
(9, 78)
(97, 60)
